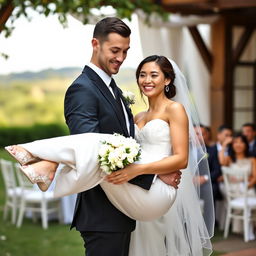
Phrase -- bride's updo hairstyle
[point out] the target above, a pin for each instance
(166, 67)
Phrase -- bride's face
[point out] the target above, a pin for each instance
(152, 80)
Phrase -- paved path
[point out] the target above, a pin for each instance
(234, 245)
(248, 252)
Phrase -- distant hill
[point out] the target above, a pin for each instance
(125, 75)
(44, 74)
(37, 97)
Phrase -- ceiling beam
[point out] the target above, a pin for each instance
(242, 43)
(201, 46)
(206, 7)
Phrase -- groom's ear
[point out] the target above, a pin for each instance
(95, 43)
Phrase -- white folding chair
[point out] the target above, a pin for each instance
(35, 201)
(239, 204)
(12, 192)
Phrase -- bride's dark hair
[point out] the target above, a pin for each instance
(166, 67)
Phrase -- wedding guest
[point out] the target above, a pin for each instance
(203, 177)
(207, 136)
(240, 157)
(224, 137)
(249, 131)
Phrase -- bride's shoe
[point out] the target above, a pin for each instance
(43, 181)
(23, 157)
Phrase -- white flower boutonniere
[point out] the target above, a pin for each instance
(129, 97)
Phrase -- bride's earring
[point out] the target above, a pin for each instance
(167, 88)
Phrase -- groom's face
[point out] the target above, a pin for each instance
(110, 54)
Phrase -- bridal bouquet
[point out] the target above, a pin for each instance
(117, 152)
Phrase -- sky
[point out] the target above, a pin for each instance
(43, 43)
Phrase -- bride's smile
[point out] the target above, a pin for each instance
(152, 80)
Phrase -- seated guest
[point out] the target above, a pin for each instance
(239, 158)
(249, 131)
(224, 137)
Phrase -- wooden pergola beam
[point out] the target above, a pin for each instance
(206, 7)
(5, 13)
(204, 51)
(245, 37)
(209, 4)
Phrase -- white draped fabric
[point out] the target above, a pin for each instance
(172, 39)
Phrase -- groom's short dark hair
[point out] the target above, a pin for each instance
(110, 25)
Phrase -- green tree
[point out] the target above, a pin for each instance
(13, 9)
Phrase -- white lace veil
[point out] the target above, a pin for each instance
(188, 230)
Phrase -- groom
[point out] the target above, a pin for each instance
(93, 103)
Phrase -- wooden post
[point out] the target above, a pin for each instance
(228, 76)
(217, 90)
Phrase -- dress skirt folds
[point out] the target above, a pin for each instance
(79, 154)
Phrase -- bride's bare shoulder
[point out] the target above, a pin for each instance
(175, 111)
(174, 106)
(139, 116)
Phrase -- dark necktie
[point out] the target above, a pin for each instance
(117, 96)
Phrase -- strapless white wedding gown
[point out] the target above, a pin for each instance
(79, 154)
(181, 231)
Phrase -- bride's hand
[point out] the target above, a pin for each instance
(123, 175)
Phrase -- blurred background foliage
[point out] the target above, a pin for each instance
(13, 9)
(31, 103)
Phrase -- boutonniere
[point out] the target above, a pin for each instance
(129, 97)
(206, 155)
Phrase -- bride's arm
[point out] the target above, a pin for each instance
(178, 160)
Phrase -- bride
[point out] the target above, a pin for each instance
(167, 137)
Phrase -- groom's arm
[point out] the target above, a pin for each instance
(80, 109)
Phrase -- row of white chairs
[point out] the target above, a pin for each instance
(240, 203)
(22, 197)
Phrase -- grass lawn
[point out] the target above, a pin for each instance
(32, 240)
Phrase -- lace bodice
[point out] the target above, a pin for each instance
(154, 139)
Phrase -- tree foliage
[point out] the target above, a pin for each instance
(13, 9)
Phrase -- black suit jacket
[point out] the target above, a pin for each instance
(215, 170)
(252, 152)
(90, 107)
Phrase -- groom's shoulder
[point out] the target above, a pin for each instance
(82, 82)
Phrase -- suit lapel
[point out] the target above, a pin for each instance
(98, 82)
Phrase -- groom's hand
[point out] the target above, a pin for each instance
(172, 179)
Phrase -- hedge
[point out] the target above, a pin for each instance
(17, 135)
